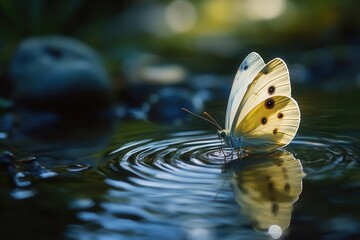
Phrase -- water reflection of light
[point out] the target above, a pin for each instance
(275, 231)
(180, 15)
(22, 193)
(264, 9)
(198, 229)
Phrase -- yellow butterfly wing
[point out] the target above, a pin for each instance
(273, 79)
(272, 123)
(248, 70)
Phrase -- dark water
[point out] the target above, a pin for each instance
(154, 181)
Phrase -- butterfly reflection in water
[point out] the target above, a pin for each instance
(266, 186)
(261, 115)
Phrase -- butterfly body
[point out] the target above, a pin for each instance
(230, 139)
(261, 115)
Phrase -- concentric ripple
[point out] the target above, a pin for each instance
(173, 183)
(180, 160)
(177, 185)
(193, 157)
(327, 156)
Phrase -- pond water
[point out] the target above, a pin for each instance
(153, 181)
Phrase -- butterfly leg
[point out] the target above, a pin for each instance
(232, 152)
(238, 153)
(222, 150)
(227, 164)
(222, 188)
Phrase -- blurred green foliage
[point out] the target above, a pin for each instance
(221, 28)
(82, 19)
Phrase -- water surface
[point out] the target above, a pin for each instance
(154, 181)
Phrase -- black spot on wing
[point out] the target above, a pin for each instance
(287, 187)
(269, 103)
(263, 121)
(271, 90)
(244, 66)
(271, 186)
(275, 209)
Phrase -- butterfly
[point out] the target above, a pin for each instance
(261, 115)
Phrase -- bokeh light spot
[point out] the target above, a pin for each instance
(264, 9)
(180, 15)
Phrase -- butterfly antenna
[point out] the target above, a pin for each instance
(203, 118)
(213, 120)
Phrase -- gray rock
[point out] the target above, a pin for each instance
(58, 74)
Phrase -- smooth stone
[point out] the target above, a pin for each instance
(59, 74)
(166, 105)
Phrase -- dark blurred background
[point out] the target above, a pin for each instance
(194, 45)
